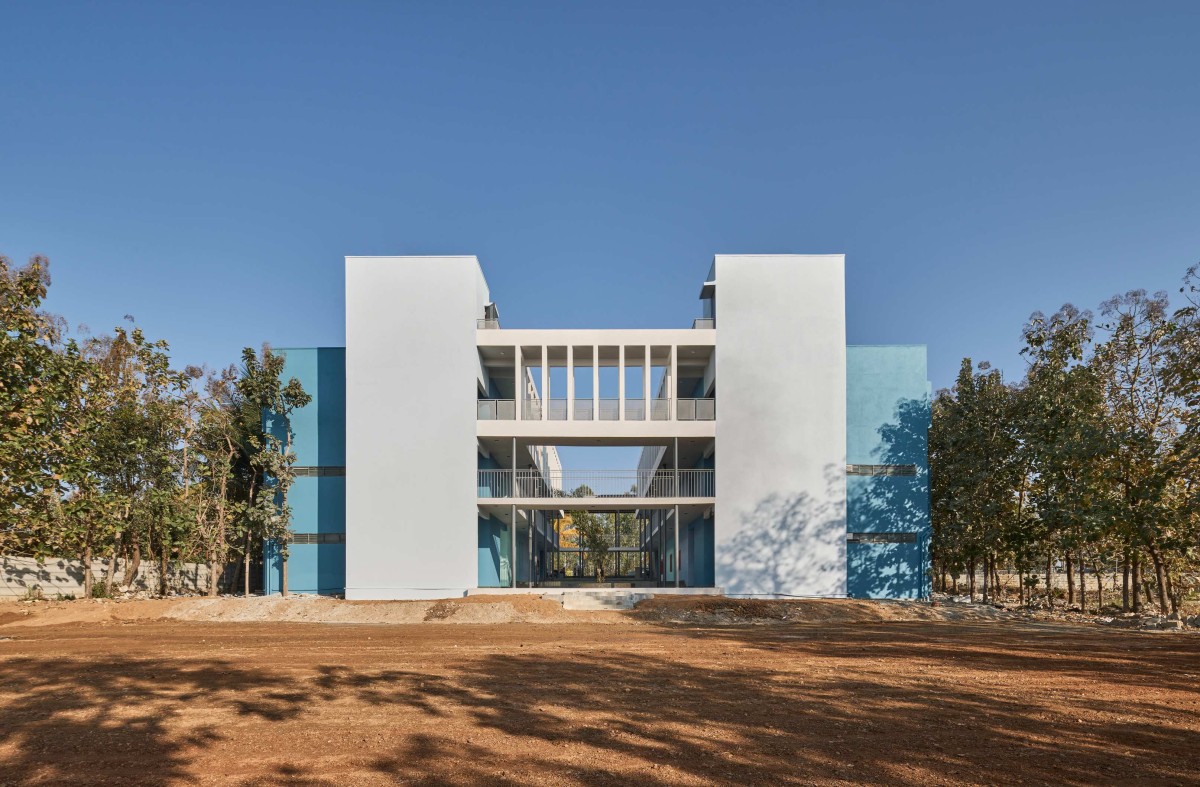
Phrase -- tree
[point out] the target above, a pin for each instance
(269, 446)
(42, 381)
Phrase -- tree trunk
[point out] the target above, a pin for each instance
(87, 571)
(283, 588)
(1099, 591)
(1171, 593)
(135, 562)
(111, 576)
(246, 569)
(1050, 581)
(1070, 580)
(1135, 566)
(236, 579)
(162, 572)
(1021, 580)
(1082, 585)
(971, 578)
(1125, 581)
(1160, 575)
(212, 573)
(986, 578)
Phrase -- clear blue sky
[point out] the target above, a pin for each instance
(205, 167)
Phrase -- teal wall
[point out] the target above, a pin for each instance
(696, 544)
(887, 423)
(494, 546)
(318, 504)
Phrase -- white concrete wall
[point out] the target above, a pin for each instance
(780, 525)
(53, 577)
(411, 374)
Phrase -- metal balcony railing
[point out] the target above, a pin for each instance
(697, 483)
(583, 409)
(488, 325)
(704, 322)
(567, 484)
(497, 409)
(495, 483)
(610, 410)
(635, 409)
(697, 410)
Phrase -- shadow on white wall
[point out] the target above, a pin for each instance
(790, 545)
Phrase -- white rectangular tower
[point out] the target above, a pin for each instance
(780, 522)
(411, 378)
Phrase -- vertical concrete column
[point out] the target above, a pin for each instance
(677, 560)
(595, 383)
(512, 552)
(646, 382)
(621, 383)
(673, 388)
(570, 382)
(518, 383)
(675, 463)
(545, 384)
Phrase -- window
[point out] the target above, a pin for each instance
(318, 538)
(880, 470)
(881, 538)
(304, 471)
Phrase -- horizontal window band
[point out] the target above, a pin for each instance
(877, 470)
(318, 538)
(881, 538)
(308, 471)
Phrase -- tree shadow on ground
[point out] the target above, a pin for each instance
(748, 705)
(63, 719)
(734, 724)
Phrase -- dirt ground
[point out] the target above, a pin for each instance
(830, 692)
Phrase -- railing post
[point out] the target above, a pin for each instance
(646, 384)
(621, 383)
(677, 561)
(545, 394)
(570, 382)
(675, 461)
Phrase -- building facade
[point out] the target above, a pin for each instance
(772, 458)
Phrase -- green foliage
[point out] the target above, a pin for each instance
(1091, 459)
(108, 451)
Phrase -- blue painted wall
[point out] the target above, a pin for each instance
(318, 504)
(888, 414)
(494, 545)
(696, 544)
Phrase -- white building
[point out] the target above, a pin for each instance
(453, 424)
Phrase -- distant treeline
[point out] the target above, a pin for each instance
(107, 451)
(1090, 462)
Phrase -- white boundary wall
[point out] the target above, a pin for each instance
(60, 576)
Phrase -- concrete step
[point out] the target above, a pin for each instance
(601, 600)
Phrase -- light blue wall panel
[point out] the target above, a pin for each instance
(493, 553)
(887, 423)
(318, 503)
